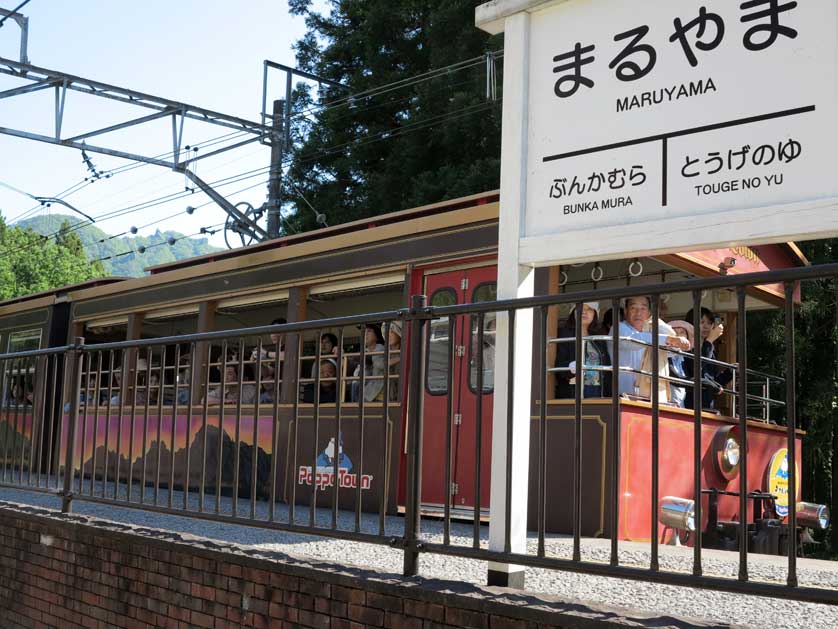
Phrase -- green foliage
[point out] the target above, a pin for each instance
(363, 44)
(97, 244)
(816, 350)
(31, 264)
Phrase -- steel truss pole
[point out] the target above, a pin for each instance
(281, 143)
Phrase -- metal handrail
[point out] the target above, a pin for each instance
(79, 475)
(662, 348)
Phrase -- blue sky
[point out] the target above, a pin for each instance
(207, 53)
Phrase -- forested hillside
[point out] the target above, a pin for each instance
(30, 263)
(98, 244)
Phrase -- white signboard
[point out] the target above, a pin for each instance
(656, 125)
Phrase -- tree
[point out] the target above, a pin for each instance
(816, 350)
(32, 263)
(418, 143)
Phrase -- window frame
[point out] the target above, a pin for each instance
(471, 337)
(443, 391)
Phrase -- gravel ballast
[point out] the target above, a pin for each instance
(646, 597)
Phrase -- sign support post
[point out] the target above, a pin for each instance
(511, 417)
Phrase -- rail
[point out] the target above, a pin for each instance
(304, 435)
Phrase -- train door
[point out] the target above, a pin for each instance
(475, 406)
(449, 288)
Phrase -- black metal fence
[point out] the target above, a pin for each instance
(231, 426)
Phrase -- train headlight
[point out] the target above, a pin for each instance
(727, 452)
(730, 452)
(812, 515)
(677, 513)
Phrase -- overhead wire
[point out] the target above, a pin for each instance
(379, 136)
(87, 181)
(383, 135)
(15, 10)
(349, 99)
(169, 241)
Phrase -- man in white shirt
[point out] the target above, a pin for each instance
(638, 312)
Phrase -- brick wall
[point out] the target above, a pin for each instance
(75, 571)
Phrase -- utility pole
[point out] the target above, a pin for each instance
(281, 136)
(281, 130)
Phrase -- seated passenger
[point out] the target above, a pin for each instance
(149, 395)
(266, 363)
(637, 326)
(373, 366)
(394, 340)
(328, 383)
(183, 384)
(229, 392)
(116, 385)
(269, 349)
(595, 383)
(328, 347)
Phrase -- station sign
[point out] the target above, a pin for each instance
(662, 126)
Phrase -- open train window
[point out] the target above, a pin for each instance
(24, 341)
(438, 343)
(487, 291)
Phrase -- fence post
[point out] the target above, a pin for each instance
(414, 435)
(74, 358)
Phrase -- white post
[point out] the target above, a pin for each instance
(513, 281)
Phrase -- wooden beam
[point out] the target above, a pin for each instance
(206, 323)
(297, 311)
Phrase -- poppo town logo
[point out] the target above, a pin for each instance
(324, 474)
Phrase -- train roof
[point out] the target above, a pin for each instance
(465, 227)
(61, 291)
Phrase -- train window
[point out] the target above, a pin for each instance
(438, 343)
(24, 341)
(483, 292)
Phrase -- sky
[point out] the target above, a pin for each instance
(206, 53)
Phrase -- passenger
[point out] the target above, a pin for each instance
(16, 396)
(184, 378)
(269, 350)
(677, 364)
(394, 340)
(594, 354)
(713, 378)
(637, 326)
(373, 366)
(149, 395)
(116, 385)
(644, 382)
(267, 362)
(328, 347)
(229, 393)
(328, 383)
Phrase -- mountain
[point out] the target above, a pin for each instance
(98, 244)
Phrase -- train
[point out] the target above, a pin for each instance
(446, 251)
